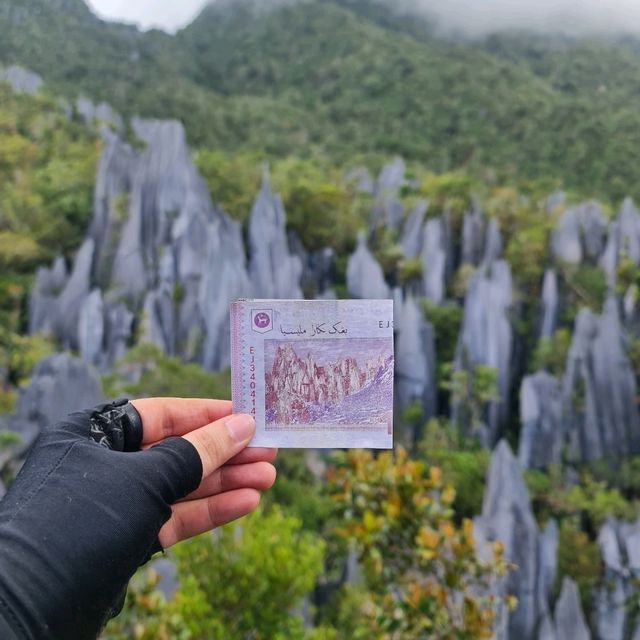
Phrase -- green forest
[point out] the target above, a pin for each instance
(315, 89)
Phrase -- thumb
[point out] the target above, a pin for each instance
(218, 442)
(176, 466)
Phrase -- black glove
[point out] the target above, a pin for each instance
(82, 515)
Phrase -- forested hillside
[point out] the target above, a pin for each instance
(349, 78)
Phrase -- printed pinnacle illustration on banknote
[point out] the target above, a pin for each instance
(314, 373)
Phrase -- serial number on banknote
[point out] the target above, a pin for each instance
(314, 373)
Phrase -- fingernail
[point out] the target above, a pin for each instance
(241, 427)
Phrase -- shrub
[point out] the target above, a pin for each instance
(423, 575)
(241, 582)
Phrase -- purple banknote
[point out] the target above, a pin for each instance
(314, 373)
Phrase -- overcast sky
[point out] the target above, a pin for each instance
(474, 17)
(165, 14)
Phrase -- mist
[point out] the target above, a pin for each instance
(476, 18)
(473, 18)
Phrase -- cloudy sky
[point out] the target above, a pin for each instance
(166, 14)
(474, 17)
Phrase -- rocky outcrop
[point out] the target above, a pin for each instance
(116, 171)
(225, 278)
(550, 304)
(411, 238)
(388, 210)
(46, 288)
(364, 275)
(91, 328)
(507, 516)
(579, 233)
(434, 260)
(21, 80)
(391, 178)
(619, 545)
(415, 358)
(59, 385)
(599, 389)
(568, 617)
(486, 335)
(473, 237)
(541, 434)
(623, 241)
(56, 299)
(274, 272)
(361, 179)
(628, 230)
(101, 113)
(160, 249)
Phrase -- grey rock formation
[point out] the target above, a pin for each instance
(617, 543)
(623, 240)
(550, 303)
(116, 170)
(362, 179)
(388, 210)
(73, 296)
(609, 257)
(579, 233)
(415, 359)
(411, 238)
(547, 561)
(47, 287)
(117, 332)
(599, 389)
(391, 178)
(101, 113)
(274, 272)
(486, 335)
(317, 266)
(569, 619)
(91, 328)
(65, 311)
(162, 252)
(364, 275)
(493, 242)
(541, 435)
(164, 180)
(473, 237)
(434, 260)
(225, 279)
(59, 385)
(21, 80)
(507, 516)
(629, 230)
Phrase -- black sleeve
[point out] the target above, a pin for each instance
(78, 521)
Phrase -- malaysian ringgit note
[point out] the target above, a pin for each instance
(314, 373)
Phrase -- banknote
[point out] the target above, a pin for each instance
(314, 373)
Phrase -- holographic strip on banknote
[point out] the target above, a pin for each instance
(314, 373)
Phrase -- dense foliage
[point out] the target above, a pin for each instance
(47, 170)
(349, 77)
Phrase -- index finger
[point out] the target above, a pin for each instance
(165, 417)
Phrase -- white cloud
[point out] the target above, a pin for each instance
(169, 15)
(473, 17)
(479, 17)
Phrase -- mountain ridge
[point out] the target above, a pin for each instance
(344, 78)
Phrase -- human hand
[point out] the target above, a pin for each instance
(232, 475)
(103, 490)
